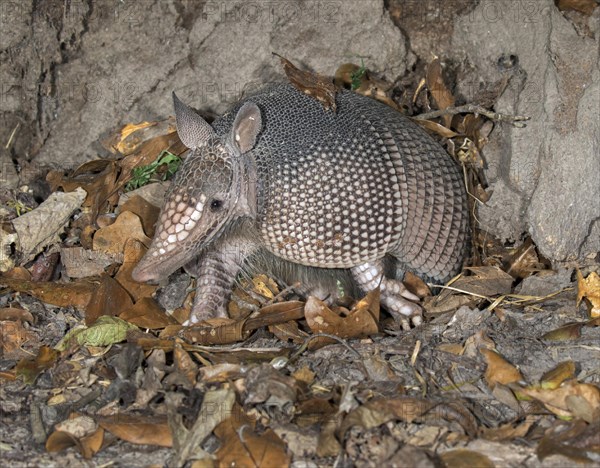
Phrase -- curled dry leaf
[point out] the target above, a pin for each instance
(571, 399)
(569, 331)
(361, 321)
(576, 440)
(589, 288)
(436, 128)
(462, 457)
(13, 335)
(554, 377)
(438, 89)
(14, 314)
(242, 446)
(217, 406)
(146, 430)
(498, 369)
(97, 178)
(524, 261)
(215, 331)
(87, 445)
(318, 86)
(485, 281)
(43, 226)
(29, 369)
(184, 364)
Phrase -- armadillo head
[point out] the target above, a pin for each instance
(214, 186)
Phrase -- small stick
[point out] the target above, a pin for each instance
(514, 120)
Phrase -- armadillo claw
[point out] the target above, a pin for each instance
(397, 300)
(201, 311)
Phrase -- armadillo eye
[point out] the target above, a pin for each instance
(216, 204)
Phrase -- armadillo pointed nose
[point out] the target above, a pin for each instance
(144, 275)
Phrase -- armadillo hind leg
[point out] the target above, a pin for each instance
(394, 295)
(216, 271)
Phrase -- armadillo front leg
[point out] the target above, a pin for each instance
(216, 271)
(394, 295)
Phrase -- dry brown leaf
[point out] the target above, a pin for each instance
(43, 226)
(288, 331)
(217, 406)
(498, 369)
(76, 293)
(304, 375)
(242, 446)
(215, 331)
(460, 458)
(87, 446)
(14, 314)
(361, 321)
(569, 331)
(524, 261)
(555, 377)
(508, 431)
(18, 273)
(43, 267)
(220, 372)
(147, 313)
(571, 399)
(133, 251)
(77, 431)
(416, 285)
(576, 440)
(438, 89)
(147, 212)
(80, 262)
(29, 369)
(12, 336)
(111, 239)
(108, 298)
(436, 128)
(582, 6)
(126, 141)
(312, 84)
(184, 364)
(97, 178)
(485, 281)
(145, 430)
(589, 288)
(379, 411)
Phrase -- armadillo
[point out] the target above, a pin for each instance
(362, 189)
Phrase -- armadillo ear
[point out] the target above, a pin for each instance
(246, 127)
(193, 130)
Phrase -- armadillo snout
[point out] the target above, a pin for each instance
(144, 275)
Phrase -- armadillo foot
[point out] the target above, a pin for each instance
(203, 310)
(398, 302)
(394, 295)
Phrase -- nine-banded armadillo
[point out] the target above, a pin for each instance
(363, 188)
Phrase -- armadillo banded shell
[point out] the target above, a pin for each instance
(340, 189)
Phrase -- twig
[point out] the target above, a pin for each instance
(514, 120)
(319, 335)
